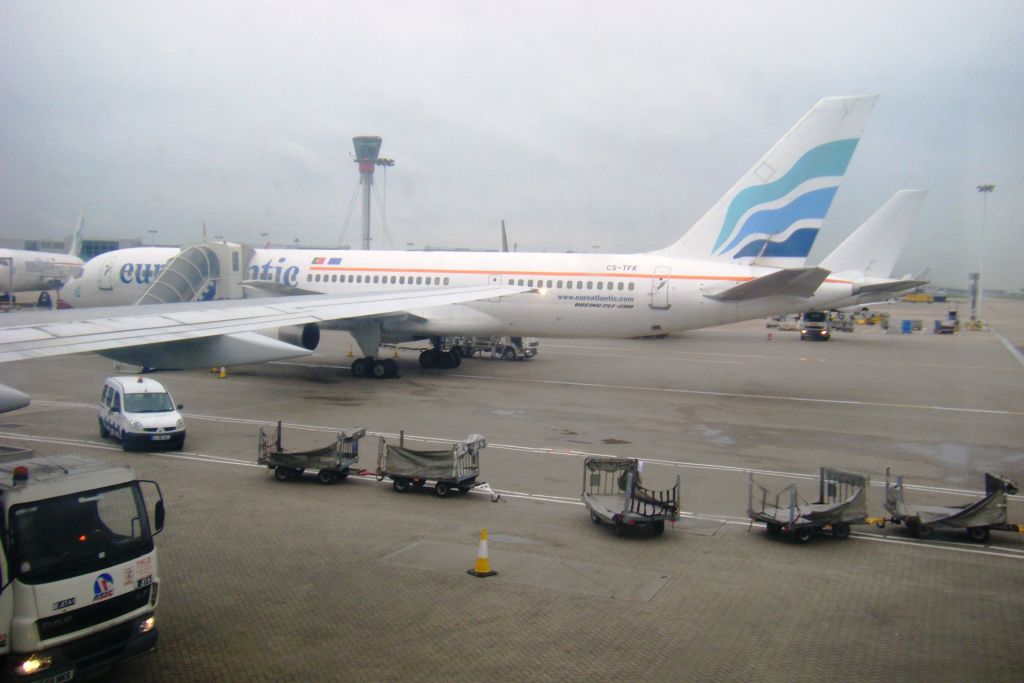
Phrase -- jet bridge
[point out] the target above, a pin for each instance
(212, 270)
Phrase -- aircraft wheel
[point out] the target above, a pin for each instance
(360, 367)
(391, 366)
(428, 358)
(379, 369)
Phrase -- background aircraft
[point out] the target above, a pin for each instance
(37, 271)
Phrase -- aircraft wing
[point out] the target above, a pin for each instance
(786, 282)
(52, 333)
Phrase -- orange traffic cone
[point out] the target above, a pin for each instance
(482, 567)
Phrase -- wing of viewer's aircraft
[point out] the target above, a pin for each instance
(204, 334)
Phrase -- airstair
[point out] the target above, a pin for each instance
(202, 272)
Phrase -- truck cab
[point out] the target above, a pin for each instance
(140, 412)
(80, 582)
(815, 325)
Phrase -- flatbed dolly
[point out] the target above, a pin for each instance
(332, 462)
(977, 519)
(455, 468)
(614, 496)
(842, 501)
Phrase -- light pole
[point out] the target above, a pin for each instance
(985, 191)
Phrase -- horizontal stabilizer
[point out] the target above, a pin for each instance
(893, 286)
(788, 282)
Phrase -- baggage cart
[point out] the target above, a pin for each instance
(977, 518)
(842, 501)
(331, 462)
(455, 468)
(614, 496)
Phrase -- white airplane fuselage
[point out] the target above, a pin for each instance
(575, 295)
(36, 271)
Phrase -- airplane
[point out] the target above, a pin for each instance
(868, 256)
(743, 259)
(22, 270)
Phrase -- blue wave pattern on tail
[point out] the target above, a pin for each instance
(827, 160)
(797, 244)
(811, 205)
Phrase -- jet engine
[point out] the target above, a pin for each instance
(306, 336)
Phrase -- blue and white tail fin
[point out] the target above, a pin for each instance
(872, 249)
(773, 214)
(76, 238)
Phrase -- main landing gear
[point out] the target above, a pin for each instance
(374, 367)
(445, 360)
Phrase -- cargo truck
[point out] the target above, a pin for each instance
(80, 584)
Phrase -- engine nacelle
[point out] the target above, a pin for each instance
(307, 336)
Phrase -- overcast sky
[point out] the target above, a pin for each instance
(584, 125)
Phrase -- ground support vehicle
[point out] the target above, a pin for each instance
(841, 322)
(977, 518)
(332, 462)
(79, 589)
(613, 494)
(815, 325)
(842, 501)
(508, 348)
(140, 412)
(455, 468)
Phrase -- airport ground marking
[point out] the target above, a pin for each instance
(759, 397)
(538, 450)
(1010, 347)
(989, 551)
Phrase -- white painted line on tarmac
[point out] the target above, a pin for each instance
(545, 451)
(759, 397)
(989, 551)
(1009, 347)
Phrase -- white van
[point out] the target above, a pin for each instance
(140, 412)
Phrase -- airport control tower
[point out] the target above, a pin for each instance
(367, 147)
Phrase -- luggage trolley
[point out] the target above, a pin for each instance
(451, 469)
(842, 501)
(613, 494)
(977, 518)
(332, 462)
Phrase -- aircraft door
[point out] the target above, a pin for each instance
(659, 287)
(494, 279)
(107, 276)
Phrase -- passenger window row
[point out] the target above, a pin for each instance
(577, 284)
(377, 279)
